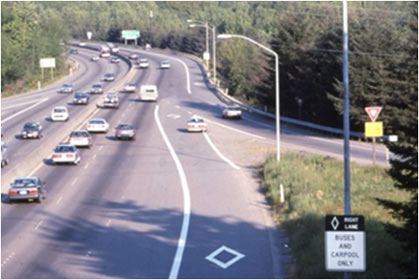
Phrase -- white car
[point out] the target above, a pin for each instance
(165, 64)
(59, 113)
(80, 138)
(196, 124)
(232, 112)
(130, 87)
(143, 63)
(97, 125)
(115, 49)
(66, 153)
(95, 58)
(105, 54)
(82, 44)
(148, 93)
(133, 56)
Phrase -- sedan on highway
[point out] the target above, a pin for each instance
(59, 113)
(109, 77)
(95, 58)
(111, 100)
(82, 44)
(80, 98)
(97, 125)
(27, 188)
(125, 131)
(196, 124)
(96, 88)
(143, 63)
(31, 130)
(66, 153)
(130, 87)
(232, 112)
(115, 59)
(66, 88)
(80, 138)
(164, 64)
(133, 56)
(74, 51)
(105, 53)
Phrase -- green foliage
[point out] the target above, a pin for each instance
(313, 187)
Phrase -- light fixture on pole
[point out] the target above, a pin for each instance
(278, 137)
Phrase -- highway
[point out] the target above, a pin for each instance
(170, 204)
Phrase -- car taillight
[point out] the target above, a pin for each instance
(33, 191)
(56, 156)
(70, 155)
(118, 131)
(12, 192)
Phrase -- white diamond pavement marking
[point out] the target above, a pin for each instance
(224, 265)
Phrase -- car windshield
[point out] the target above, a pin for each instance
(108, 75)
(96, 122)
(66, 86)
(97, 86)
(197, 120)
(125, 126)
(80, 94)
(78, 134)
(59, 110)
(233, 108)
(143, 59)
(24, 183)
(149, 90)
(30, 125)
(130, 85)
(64, 149)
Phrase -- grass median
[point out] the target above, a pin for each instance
(313, 187)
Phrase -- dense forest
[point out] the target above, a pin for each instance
(307, 36)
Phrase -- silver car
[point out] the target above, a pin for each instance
(27, 188)
(66, 153)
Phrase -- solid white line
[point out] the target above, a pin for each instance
(108, 223)
(237, 130)
(23, 111)
(75, 180)
(94, 156)
(86, 165)
(59, 200)
(177, 261)
(20, 104)
(100, 148)
(219, 153)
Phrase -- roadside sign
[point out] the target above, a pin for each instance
(206, 56)
(47, 63)
(373, 112)
(345, 243)
(130, 34)
(373, 129)
(89, 35)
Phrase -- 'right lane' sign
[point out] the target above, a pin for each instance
(345, 243)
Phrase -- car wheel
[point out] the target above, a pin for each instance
(133, 138)
(38, 200)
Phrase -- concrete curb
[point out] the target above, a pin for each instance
(36, 158)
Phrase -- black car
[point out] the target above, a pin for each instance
(74, 51)
(96, 88)
(31, 130)
(27, 188)
(80, 98)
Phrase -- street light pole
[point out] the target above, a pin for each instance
(278, 137)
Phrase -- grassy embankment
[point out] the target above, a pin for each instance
(313, 187)
(30, 83)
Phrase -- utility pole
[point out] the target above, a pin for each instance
(149, 27)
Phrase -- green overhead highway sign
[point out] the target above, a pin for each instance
(130, 34)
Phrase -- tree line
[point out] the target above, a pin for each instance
(307, 37)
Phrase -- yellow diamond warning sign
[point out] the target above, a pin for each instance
(373, 129)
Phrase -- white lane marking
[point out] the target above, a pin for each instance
(74, 181)
(100, 148)
(237, 130)
(108, 223)
(85, 167)
(94, 156)
(8, 258)
(212, 257)
(173, 116)
(177, 106)
(39, 224)
(18, 105)
(177, 261)
(189, 112)
(59, 200)
(23, 111)
(219, 153)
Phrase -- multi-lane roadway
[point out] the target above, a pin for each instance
(169, 204)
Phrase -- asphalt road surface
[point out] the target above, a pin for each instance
(169, 204)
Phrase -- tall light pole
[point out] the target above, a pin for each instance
(214, 52)
(151, 32)
(278, 139)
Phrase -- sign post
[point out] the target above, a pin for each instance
(373, 129)
(130, 35)
(345, 243)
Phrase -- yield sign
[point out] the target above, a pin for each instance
(373, 112)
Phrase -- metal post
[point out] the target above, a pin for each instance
(346, 124)
(206, 42)
(214, 61)
(151, 33)
(373, 151)
(278, 137)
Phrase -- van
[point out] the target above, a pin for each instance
(148, 92)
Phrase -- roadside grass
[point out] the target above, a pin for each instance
(30, 83)
(314, 187)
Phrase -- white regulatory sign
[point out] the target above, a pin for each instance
(47, 62)
(345, 243)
